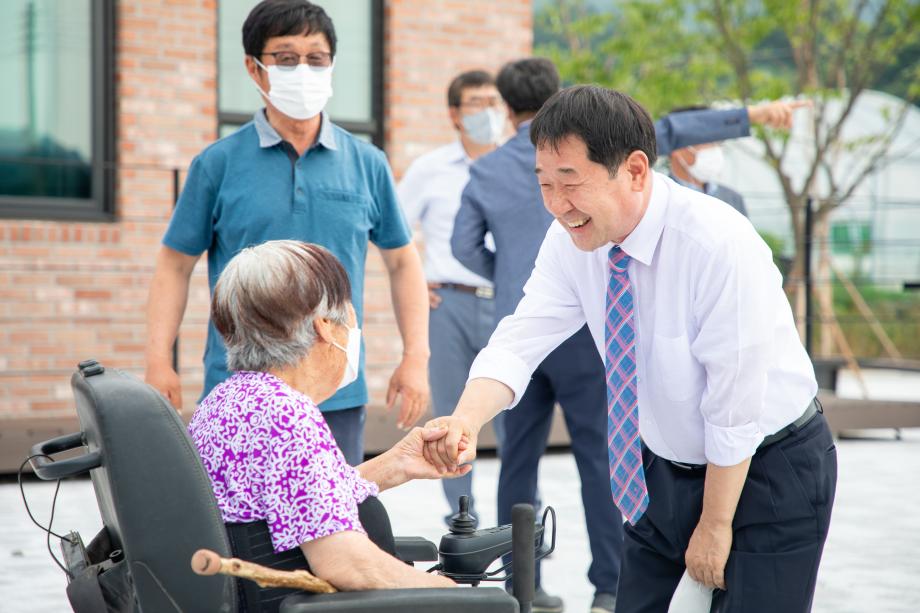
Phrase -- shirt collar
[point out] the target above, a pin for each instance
(643, 240)
(457, 154)
(705, 189)
(269, 137)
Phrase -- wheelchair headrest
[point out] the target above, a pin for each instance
(153, 493)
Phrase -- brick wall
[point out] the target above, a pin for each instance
(426, 44)
(69, 291)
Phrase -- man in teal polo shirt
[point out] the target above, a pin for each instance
(292, 174)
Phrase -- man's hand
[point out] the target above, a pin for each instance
(776, 114)
(434, 299)
(456, 447)
(410, 380)
(166, 381)
(708, 552)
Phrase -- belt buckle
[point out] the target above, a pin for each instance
(485, 292)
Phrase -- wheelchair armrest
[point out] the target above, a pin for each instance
(415, 549)
(441, 600)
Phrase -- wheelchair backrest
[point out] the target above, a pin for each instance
(153, 493)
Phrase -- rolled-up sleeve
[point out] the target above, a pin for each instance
(548, 314)
(736, 310)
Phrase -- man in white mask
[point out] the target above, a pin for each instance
(700, 167)
(291, 173)
(462, 306)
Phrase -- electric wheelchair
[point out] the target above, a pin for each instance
(157, 509)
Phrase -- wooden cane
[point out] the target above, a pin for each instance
(206, 562)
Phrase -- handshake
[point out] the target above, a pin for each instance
(442, 449)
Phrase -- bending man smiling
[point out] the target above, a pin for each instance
(720, 459)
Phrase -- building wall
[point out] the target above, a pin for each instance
(70, 291)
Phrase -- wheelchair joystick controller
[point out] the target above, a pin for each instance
(463, 522)
(466, 553)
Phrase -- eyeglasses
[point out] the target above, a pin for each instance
(481, 102)
(290, 60)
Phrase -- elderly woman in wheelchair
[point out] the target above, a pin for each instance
(284, 311)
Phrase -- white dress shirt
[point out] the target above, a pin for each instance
(718, 359)
(430, 193)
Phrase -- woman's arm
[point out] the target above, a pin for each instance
(350, 561)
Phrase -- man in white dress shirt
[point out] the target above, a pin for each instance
(721, 460)
(462, 304)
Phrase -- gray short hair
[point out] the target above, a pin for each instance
(267, 297)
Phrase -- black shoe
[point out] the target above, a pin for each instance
(603, 603)
(543, 602)
(546, 603)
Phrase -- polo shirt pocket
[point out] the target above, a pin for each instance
(344, 207)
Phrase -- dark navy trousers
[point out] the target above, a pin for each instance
(573, 376)
(347, 427)
(780, 527)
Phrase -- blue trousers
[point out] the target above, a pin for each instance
(780, 526)
(573, 376)
(347, 426)
(457, 330)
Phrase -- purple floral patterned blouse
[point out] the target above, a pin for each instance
(270, 455)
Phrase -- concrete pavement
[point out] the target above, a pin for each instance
(871, 563)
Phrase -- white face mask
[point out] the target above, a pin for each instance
(300, 92)
(485, 127)
(353, 355)
(708, 164)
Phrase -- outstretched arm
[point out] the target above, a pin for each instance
(688, 128)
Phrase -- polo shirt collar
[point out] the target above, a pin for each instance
(269, 137)
(643, 240)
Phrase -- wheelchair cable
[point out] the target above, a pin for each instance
(48, 532)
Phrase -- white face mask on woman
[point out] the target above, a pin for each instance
(352, 355)
(300, 92)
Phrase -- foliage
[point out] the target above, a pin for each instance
(898, 312)
(672, 53)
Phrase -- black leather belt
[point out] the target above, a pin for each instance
(481, 292)
(813, 408)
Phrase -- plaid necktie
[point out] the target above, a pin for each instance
(627, 478)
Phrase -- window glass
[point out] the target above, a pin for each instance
(351, 79)
(45, 103)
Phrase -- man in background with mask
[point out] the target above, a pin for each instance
(699, 167)
(462, 308)
(292, 174)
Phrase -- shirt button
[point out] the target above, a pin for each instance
(300, 191)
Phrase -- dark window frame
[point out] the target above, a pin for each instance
(374, 127)
(100, 206)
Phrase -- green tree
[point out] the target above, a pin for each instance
(669, 53)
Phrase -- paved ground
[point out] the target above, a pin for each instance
(871, 564)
